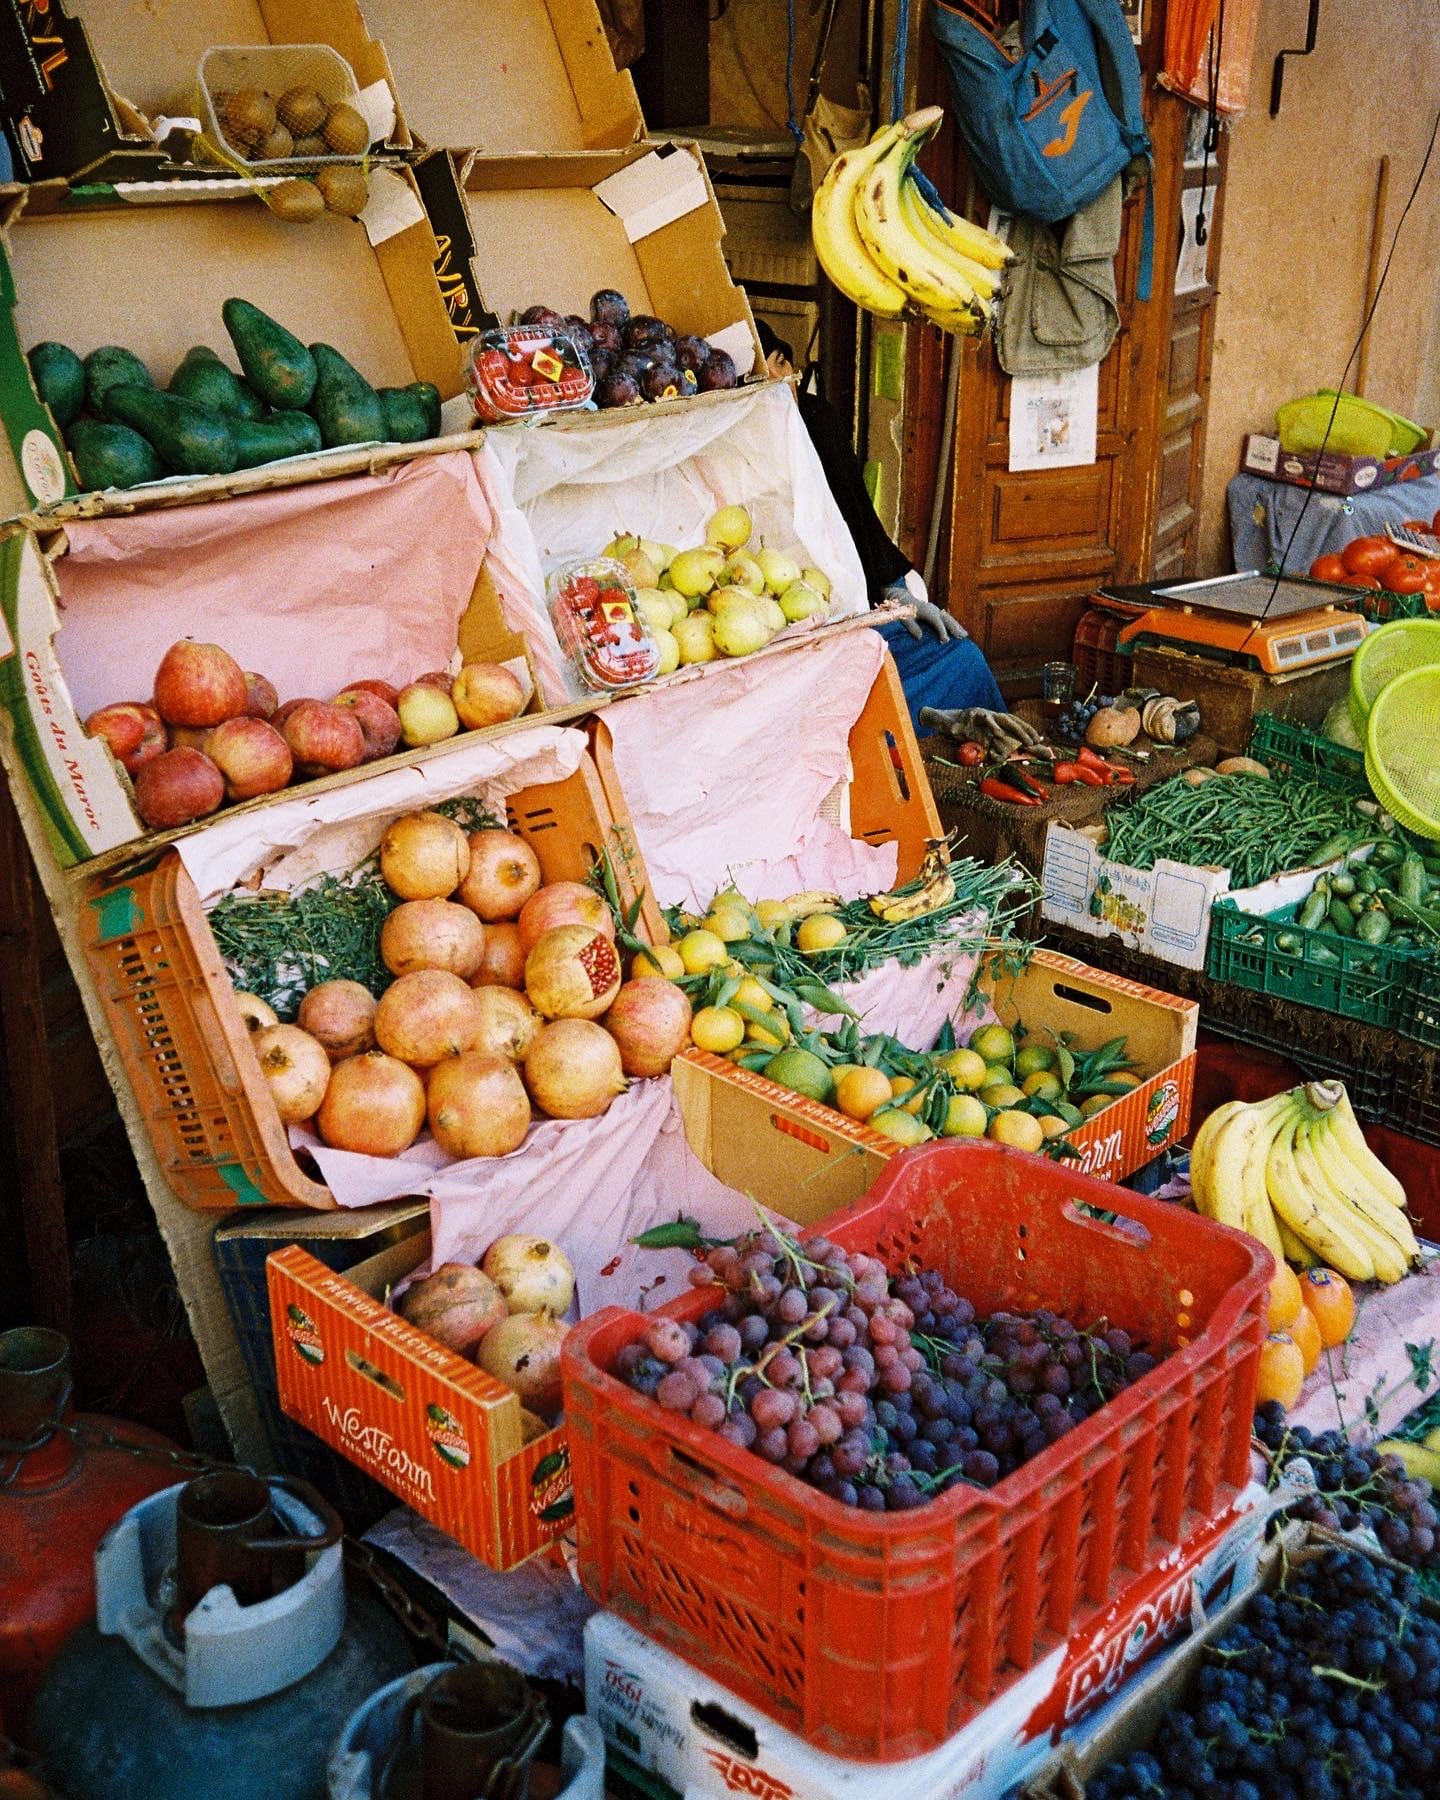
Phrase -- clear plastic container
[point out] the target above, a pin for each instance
(526, 371)
(599, 626)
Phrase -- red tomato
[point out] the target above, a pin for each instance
(1418, 525)
(1328, 568)
(1367, 555)
(1435, 524)
(1368, 582)
(1432, 581)
(1404, 574)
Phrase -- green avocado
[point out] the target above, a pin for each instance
(276, 364)
(111, 456)
(59, 377)
(110, 367)
(344, 405)
(267, 440)
(203, 378)
(405, 417)
(189, 439)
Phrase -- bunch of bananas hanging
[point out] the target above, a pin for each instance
(1296, 1173)
(887, 249)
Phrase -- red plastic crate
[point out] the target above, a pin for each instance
(879, 1636)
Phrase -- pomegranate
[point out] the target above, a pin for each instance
(261, 698)
(340, 1015)
(296, 1069)
(504, 873)
(256, 1013)
(562, 903)
(486, 694)
(176, 787)
(426, 1016)
(374, 1105)
(324, 738)
(251, 755)
(432, 934)
(523, 1351)
(199, 684)
(533, 1274)
(503, 964)
(457, 1305)
(572, 973)
(650, 1021)
(573, 1069)
(477, 1106)
(424, 856)
(508, 1022)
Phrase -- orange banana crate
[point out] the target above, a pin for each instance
(185, 1048)
(890, 798)
(878, 1636)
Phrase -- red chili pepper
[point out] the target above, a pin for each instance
(1016, 776)
(969, 756)
(1000, 790)
(1093, 760)
(1067, 773)
(1123, 777)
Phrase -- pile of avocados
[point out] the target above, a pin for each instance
(122, 430)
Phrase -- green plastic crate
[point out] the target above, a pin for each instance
(1290, 749)
(1396, 988)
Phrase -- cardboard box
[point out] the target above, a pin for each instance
(438, 1432)
(518, 231)
(47, 688)
(1334, 473)
(528, 77)
(367, 287)
(81, 86)
(805, 1160)
(1164, 911)
(687, 1735)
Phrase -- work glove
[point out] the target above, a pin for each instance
(1002, 734)
(927, 613)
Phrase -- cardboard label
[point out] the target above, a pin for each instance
(654, 192)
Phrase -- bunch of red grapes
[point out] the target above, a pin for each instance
(881, 1393)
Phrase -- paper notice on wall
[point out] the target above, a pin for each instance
(1052, 419)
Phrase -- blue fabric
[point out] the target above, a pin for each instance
(939, 674)
(1263, 514)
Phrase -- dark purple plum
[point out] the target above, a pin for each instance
(689, 383)
(634, 363)
(692, 352)
(601, 363)
(719, 372)
(609, 307)
(542, 315)
(643, 332)
(579, 330)
(617, 390)
(661, 381)
(606, 337)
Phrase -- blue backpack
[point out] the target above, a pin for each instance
(1049, 130)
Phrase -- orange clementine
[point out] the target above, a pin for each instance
(901, 1085)
(1306, 1334)
(1282, 1370)
(1327, 1295)
(1285, 1298)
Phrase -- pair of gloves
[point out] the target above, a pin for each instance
(911, 592)
(1003, 734)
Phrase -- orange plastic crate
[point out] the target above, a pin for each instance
(185, 1048)
(878, 1637)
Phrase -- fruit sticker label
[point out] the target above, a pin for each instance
(740, 1778)
(304, 1335)
(447, 1439)
(1162, 1114)
(551, 1494)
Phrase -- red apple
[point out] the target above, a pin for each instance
(199, 684)
(378, 720)
(486, 694)
(134, 731)
(383, 690)
(263, 699)
(252, 756)
(427, 713)
(324, 738)
(282, 713)
(436, 678)
(176, 787)
(191, 737)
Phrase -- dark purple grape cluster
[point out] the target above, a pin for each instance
(1327, 1689)
(1356, 1487)
(635, 357)
(879, 1393)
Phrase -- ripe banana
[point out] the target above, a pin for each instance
(1344, 1131)
(1390, 1259)
(1314, 1217)
(912, 264)
(937, 889)
(965, 238)
(1419, 1459)
(1231, 1184)
(1387, 1222)
(838, 244)
(1201, 1150)
(812, 900)
(924, 224)
(1297, 1253)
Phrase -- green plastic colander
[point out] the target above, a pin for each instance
(1402, 750)
(1394, 649)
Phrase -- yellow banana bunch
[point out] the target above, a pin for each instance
(889, 251)
(937, 889)
(811, 900)
(1296, 1173)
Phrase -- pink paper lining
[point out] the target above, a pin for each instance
(312, 586)
(727, 777)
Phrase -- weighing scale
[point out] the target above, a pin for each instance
(1247, 621)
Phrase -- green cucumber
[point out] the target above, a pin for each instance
(1313, 911)
(1342, 918)
(1373, 927)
